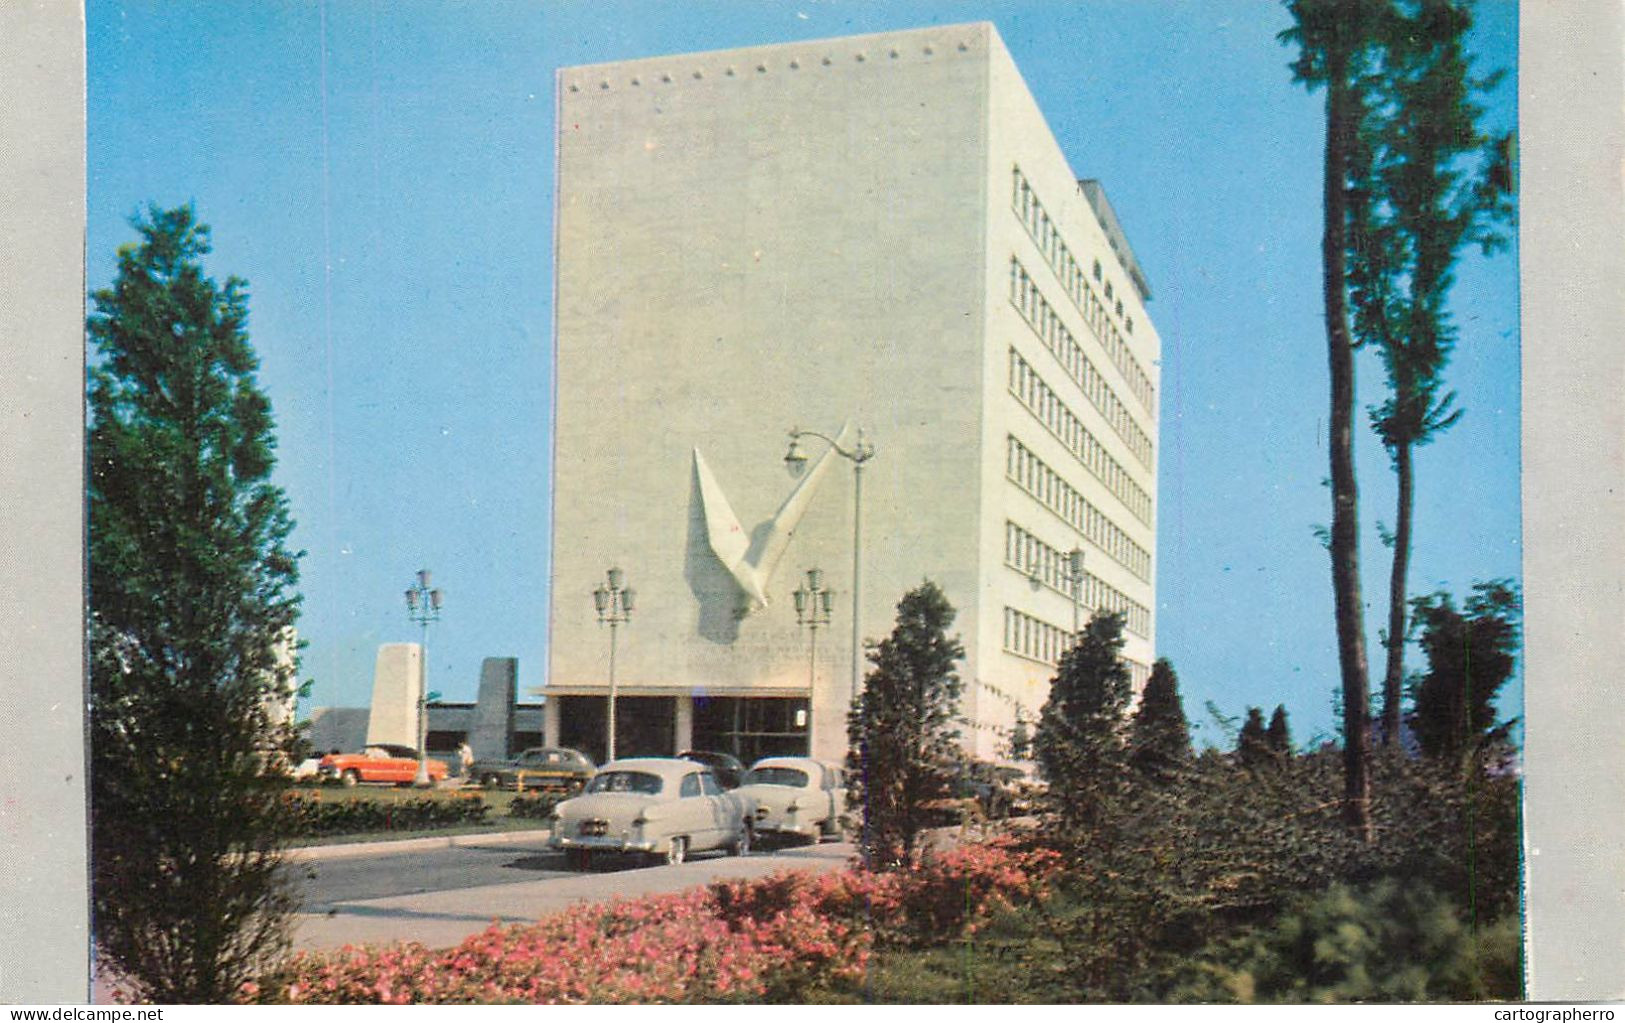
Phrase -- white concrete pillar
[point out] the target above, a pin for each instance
(683, 737)
(395, 680)
(550, 722)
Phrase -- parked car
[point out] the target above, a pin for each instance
(379, 761)
(654, 806)
(727, 767)
(981, 790)
(796, 796)
(541, 767)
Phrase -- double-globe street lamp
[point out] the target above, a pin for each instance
(614, 602)
(423, 607)
(812, 611)
(858, 454)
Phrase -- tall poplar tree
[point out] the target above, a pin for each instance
(1430, 187)
(1338, 51)
(192, 606)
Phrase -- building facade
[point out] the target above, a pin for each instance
(874, 233)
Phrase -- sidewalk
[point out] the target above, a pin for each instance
(444, 918)
(399, 845)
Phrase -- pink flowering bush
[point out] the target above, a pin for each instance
(930, 902)
(736, 941)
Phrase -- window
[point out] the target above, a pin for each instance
(626, 781)
(690, 787)
(709, 784)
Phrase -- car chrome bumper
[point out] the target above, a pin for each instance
(784, 826)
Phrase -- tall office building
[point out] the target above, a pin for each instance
(877, 231)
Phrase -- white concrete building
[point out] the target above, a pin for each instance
(880, 231)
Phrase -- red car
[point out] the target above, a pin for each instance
(381, 761)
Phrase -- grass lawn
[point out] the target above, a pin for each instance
(1011, 961)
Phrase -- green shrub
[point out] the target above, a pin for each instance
(533, 807)
(1167, 869)
(1387, 941)
(314, 818)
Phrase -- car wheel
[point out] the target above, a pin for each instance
(351, 778)
(741, 845)
(676, 849)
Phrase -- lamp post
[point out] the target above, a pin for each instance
(614, 602)
(858, 454)
(1075, 565)
(423, 607)
(812, 610)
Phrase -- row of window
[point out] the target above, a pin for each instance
(1024, 201)
(1047, 485)
(1036, 559)
(1041, 401)
(1030, 637)
(1038, 639)
(1033, 475)
(1046, 323)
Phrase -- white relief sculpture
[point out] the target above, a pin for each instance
(752, 564)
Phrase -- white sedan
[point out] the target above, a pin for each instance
(653, 806)
(796, 796)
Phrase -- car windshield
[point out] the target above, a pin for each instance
(626, 781)
(777, 776)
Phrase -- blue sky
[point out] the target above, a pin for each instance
(382, 177)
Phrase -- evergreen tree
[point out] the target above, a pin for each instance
(191, 609)
(901, 730)
(1279, 736)
(1021, 738)
(1159, 736)
(1080, 743)
(1471, 654)
(1338, 50)
(1253, 747)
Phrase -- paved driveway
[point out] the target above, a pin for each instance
(535, 885)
